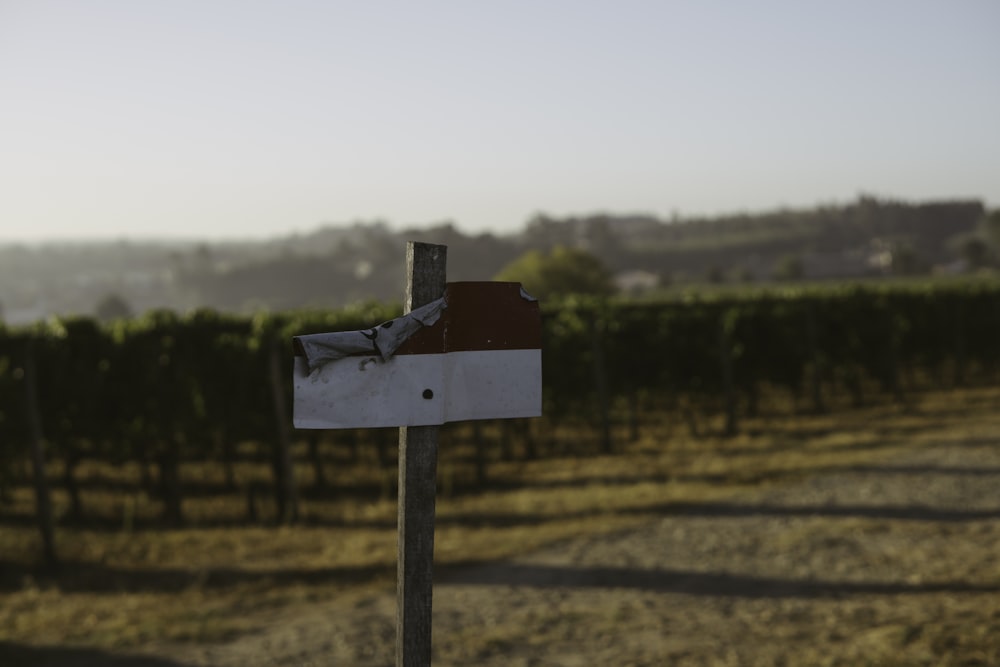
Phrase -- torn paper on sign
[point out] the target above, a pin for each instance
(383, 340)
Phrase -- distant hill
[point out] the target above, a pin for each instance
(340, 264)
(855, 240)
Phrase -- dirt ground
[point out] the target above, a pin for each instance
(892, 563)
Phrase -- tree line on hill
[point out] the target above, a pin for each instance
(339, 265)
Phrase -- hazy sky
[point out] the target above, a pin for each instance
(239, 118)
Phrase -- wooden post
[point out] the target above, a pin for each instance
(597, 327)
(43, 501)
(816, 362)
(728, 384)
(418, 451)
(284, 477)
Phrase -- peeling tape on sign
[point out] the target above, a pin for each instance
(383, 340)
(475, 354)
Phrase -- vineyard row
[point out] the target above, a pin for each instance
(166, 388)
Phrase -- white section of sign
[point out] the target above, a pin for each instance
(419, 389)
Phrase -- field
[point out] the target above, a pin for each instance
(863, 537)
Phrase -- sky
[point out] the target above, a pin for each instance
(216, 119)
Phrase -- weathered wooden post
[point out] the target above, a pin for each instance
(43, 499)
(461, 351)
(418, 453)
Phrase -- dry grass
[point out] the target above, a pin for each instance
(123, 588)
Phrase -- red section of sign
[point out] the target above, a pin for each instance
(480, 316)
(491, 316)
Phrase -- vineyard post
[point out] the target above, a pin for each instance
(287, 497)
(43, 499)
(726, 364)
(418, 452)
(598, 325)
(958, 331)
(816, 362)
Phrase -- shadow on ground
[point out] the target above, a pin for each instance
(21, 655)
(696, 583)
(75, 577)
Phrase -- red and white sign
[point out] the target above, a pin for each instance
(476, 354)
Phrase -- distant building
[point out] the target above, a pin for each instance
(636, 281)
